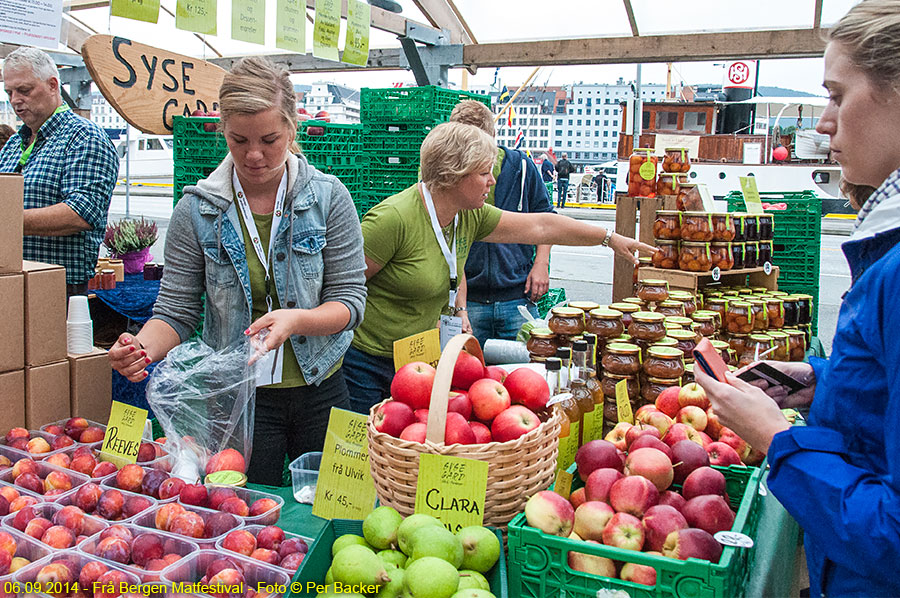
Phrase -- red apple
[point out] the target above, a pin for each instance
(457, 430)
(688, 456)
(597, 454)
(693, 394)
(660, 421)
(550, 513)
(673, 499)
(482, 432)
(578, 497)
(637, 573)
(467, 370)
(414, 432)
(679, 432)
(729, 437)
(709, 512)
(705, 440)
(412, 384)
(496, 372)
(527, 387)
(684, 544)
(648, 441)
(713, 426)
(489, 398)
(634, 495)
(599, 482)
(421, 415)
(659, 521)
(591, 518)
(667, 401)
(638, 430)
(643, 412)
(513, 422)
(624, 531)
(391, 417)
(704, 480)
(617, 435)
(722, 454)
(651, 464)
(460, 403)
(693, 416)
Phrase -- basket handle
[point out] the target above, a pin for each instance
(440, 390)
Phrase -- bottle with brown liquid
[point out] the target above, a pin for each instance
(580, 391)
(593, 383)
(571, 430)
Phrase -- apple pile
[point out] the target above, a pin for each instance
(57, 528)
(144, 550)
(269, 545)
(175, 518)
(486, 404)
(416, 557)
(226, 499)
(76, 574)
(40, 479)
(109, 504)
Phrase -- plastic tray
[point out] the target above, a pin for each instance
(68, 498)
(10, 452)
(270, 517)
(164, 463)
(62, 424)
(192, 568)
(147, 519)
(171, 544)
(318, 560)
(27, 575)
(255, 529)
(92, 525)
(28, 548)
(43, 470)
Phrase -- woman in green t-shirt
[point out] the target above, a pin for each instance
(416, 244)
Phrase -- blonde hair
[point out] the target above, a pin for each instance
(473, 112)
(453, 150)
(870, 34)
(254, 85)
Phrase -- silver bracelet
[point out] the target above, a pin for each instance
(609, 234)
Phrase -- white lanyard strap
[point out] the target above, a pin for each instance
(264, 257)
(449, 255)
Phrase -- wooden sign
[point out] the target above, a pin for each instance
(124, 432)
(345, 488)
(452, 489)
(147, 85)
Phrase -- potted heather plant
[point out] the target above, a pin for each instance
(130, 240)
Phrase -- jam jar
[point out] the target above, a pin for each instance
(653, 290)
(724, 350)
(676, 159)
(765, 252)
(804, 309)
(584, 306)
(642, 172)
(807, 332)
(671, 325)
(737, 253)
(759, 315)
(690, 302)
(670, 308)
(541, 343)
(718, 305)
(707, 324)
(775, 311)
(604, 322)
(667, 256)
(751, 254)
(721, 256)
(751, 227)
(609, 381)
(667, 225)
(643, 262)
(567, 321)
(781, 342)
(737, 318)
(622, 358)
(766, 227)
(756, 349)
(664, 362)
(688, 373)
(696, 226)
(686, 341)
(718, 321)
(694, 257)
(668, 184)
(740, 221)
(723, 227)
(738, 343)
(654, 387)
(791, 311)
(796, 345)
(647, 326)
(665, 341)
(683, 323)
(688, 197)
(626, 309)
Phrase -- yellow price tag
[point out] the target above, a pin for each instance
(425, 346)
(623, 403)
(124, 431)
(452, 489)
(327, 29)
(563, 483)
(356, 44)
(345, 488)
(751, 195)
(648, 170)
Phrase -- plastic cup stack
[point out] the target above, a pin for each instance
(79, 327)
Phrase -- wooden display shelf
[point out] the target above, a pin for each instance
(692, 281)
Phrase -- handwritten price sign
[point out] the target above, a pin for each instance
(345, 488)
(123, 434)
(452, 489)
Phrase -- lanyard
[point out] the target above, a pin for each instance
(449, 255)
(26, 151)
(254, 233)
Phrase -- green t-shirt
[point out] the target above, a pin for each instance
(409, 293)
(498, 164)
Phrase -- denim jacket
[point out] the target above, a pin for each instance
(317, 257)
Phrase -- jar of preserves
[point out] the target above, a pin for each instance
(643, 262)
(719, 306)
(738, 343)
(723, 227)
(670, 308)
(739, 220)
(804, 309)
(635, 301)
(766, 227)
(709, 313)
(696, 226)
(642, 172)
(688, 373)
(667, 256)
(765, 252)
(751, 254)
(756, 349)
(751, 227)
(609, 381)
(541, 343)
(688, 197)
(584, 306)
(760, 290)
(604, 322)
(688, 299)
(668, 183)
(759, 315)
(667, 225)
(775, 312)
(626, 309)
(737, 253)
(654, 387)
(107, 279)
(652, 290)
(796, 345)
(622, 359)
(682, 322)
(647, 326)
(737, 318)
(685, 341)
(724, 350)
(721, 256)
(676, 159)
(671, 325)
(781, 342)
(730, 293)
(664, 362)
(694, 257)
(707, 324)
(807, 332)
(665, 341)
(791, 311)
(567, 321)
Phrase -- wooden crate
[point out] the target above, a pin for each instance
(626, 225)
(683, 280)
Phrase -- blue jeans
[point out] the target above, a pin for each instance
(368, 378)
(562, 188)
(500, 319)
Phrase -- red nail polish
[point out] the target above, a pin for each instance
(147, 359)
(143, 354)
(131, 349)
(146, 374)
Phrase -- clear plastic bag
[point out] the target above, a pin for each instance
(204, 401)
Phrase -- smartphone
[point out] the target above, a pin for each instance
(709, 360)
(762, 370)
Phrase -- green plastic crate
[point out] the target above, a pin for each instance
(538, 562)
(318, 560)
(399, 137)
(427, 104)
(364, 203)
(551, 297)
(798, 263)
(185, 174)
(318, 137)
(194, 144)
(801, 220)
(811, 289)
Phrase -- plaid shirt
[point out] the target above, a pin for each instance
(73, 162)
(889, 188)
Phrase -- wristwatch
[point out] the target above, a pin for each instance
(609, 234)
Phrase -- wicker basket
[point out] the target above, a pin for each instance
(517, 469)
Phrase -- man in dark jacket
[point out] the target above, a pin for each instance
(563, 169)
(501, 277)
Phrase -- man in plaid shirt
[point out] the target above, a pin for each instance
(70, 168)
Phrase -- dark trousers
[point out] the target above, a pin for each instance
(76, 289)
(291, 421)
(368, 378)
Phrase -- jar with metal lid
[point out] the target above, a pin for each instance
(653, 290)
(688, 197)
(723, 227)
(696, 226)
(676, 159)
(766, 227)
(760, 290)
(688, 374)
(682, 322)
(584, 306)
(730, 293)
(642, 172)
(667, 256)
(626, 309)
(775, 311)
(781, 342)
(759, 315)
(724, 350)
(665, 341)
(756, 349)
(721, 256)
(751, 227)
(664, 362)
(688, 299)
(703, 316)
(765, 252)
(694, 257)
(796, 345)
(622, 359)
(738, 343)
(737, 253)
(604, 322)
(670, 308)
(668, 183)
(737, 318)
(719, 306)
(608, 384)
(685, 341)
(647, 326)
(567, 321)
(804, 309)
(751, 254)
(667, 225)
(541, 343)
(654, 387)
(791, 311)
(671, 325)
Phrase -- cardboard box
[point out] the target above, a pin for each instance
(12, 394)
(90, 385)
(12, 326)
(45, 313)
(46, 394)
(12, 207)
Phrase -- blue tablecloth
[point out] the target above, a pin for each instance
(133, 298)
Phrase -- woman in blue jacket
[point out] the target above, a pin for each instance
(840, 476)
